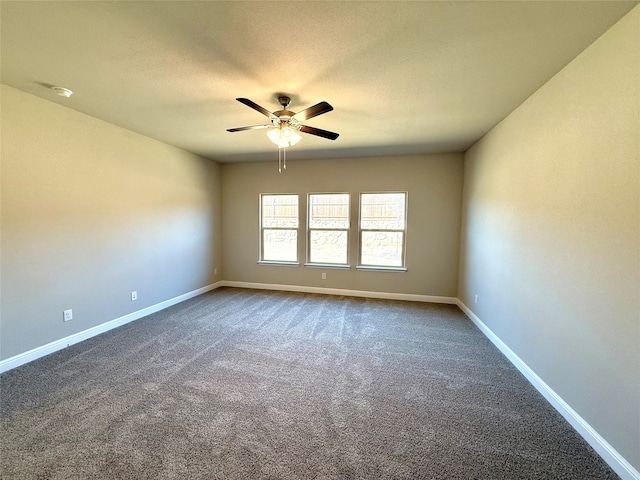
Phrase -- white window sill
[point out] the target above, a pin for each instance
(279, 264)
(328, 265)
(381, 269)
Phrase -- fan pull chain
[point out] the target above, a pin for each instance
(282, 159)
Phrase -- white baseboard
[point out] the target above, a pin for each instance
(411, 297)
(609, 454)
(38, 352)
(54, 346)
(616, 461)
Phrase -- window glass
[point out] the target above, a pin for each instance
(328, 247)
(382, 211)
(382, 229)
(328, 232)
(279, 228)
(280, 211)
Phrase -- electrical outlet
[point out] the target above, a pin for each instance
(475, 300)
(215, 271)
(324, 276)
(134, 295)
(67, 315)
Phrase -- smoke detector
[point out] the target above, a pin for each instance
(63, 92)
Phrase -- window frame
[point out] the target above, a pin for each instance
(347, 230)
(403, 255)
(261, 232)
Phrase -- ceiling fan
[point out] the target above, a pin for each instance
(284, 118)
(285, 124)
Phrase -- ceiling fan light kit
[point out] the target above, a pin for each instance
(285, 125)
(284, 136)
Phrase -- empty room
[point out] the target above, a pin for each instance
(320, 240)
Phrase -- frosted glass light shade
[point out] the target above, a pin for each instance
(284, 137)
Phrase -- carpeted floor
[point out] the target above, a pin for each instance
(245, 384)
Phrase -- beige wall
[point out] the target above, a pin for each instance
(551, 234)
(434, 186)
(90, 212)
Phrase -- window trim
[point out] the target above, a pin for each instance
(309, 263)
(280, 263)
(261, 229)
(338, 266)
(366, 266)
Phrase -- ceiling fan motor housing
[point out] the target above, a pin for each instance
(284, 115)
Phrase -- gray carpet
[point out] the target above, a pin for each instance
(245, 384)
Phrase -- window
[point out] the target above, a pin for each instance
(279, 228)
(382, 229)
(328, 233)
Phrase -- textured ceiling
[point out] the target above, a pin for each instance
(403, 77)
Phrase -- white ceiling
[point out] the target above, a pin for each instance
(403, 77)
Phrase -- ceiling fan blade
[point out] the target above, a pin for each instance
(314, 111)
(319, 132)
(255, 106)
(252, 127)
